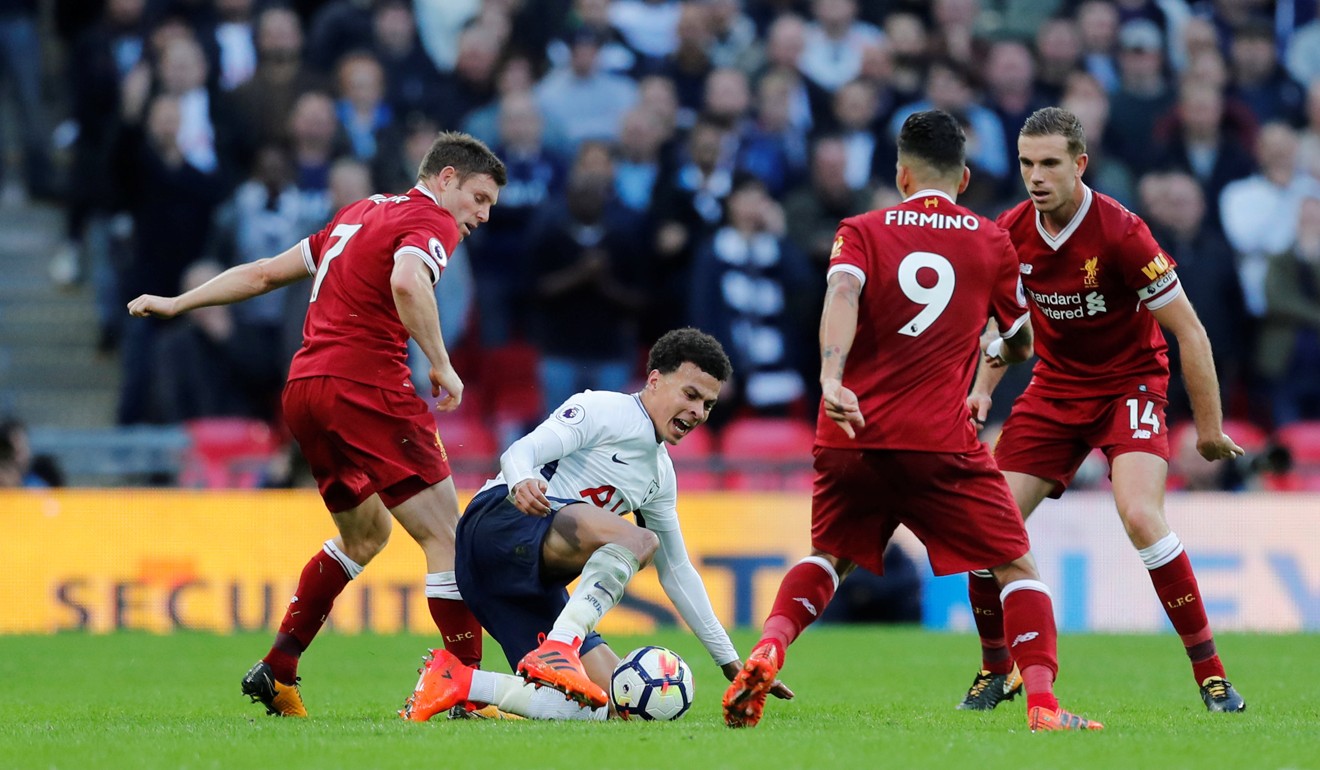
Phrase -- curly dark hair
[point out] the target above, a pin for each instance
(688, 344)
(466, 153)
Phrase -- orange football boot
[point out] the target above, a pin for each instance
(1041, 718)
(745, 699)
(443, 684)
(281, 700)
(557, 665)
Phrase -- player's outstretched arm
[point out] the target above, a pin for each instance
(838, 328)
(1198, 370)
(414, 298)
(236, 284)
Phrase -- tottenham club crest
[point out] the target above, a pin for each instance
(570, 414)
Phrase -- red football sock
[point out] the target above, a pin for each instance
(803, 595)
(1176, 585)
(460, 630)
(1029, 622)
(983, 592)
(321, 581)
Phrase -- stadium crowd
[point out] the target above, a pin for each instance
(670, 163)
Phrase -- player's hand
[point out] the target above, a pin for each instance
(1219, 448)
(841, 406)
(979, 404)
(529, 497)
(444, 378)
(149, 305)
(778, 689)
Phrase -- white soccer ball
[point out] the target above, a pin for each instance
(651, 683)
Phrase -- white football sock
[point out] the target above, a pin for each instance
(442, 585)
(603, 579)
(510, 693)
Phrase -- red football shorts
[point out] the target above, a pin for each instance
(360, 439)
(1050, 437)
(958, 505)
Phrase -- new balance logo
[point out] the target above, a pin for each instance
(1028, 636)
(1141, 433)
(810, 607)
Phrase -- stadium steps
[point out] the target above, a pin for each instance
(50, 373)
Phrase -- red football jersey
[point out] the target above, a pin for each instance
(932, 272)
(353, 328)
(1089, 290)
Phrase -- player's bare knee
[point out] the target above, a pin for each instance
(643, 543)
(1144, 526)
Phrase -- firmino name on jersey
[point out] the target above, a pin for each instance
(935, 221)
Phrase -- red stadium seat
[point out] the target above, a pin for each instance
(767, 453)
(227, 453)
(472, 449)
(695, 461)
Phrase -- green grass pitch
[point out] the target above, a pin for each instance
(867, 697)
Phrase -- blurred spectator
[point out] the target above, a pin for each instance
(171, 202)
(18, 466)
(650, 27)
(1175, 208)
(908, 44)
(771, 147)
(589, 290)
(586, 102)
(1199, 36)
(472, 83)
(257, 112)
(261, 218)
(1303, 56)
(689, 206)
(207, 364)
(1308, 144)
(337, 28)
(235, 41)
(747, 278)
(949, 88)
(413, 84)
(832, 54)
(502, 249)
(1086, 99)
(871, 152)
(101, 60)
(1010, 76)
(1196, 142)
(813, 210)
(1259, 213)
(1258, 77)
(1288, 354)
(955, 35)
(182, 74)
(20, 66)
(1098, 21)
(363, 113)
(689, 64)
(314, 135)
(1058, 54)
(637, 166)
(593, 15)
(734, 43)
(785, 41)
(1143, 93)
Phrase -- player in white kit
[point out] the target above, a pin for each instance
(555, 513)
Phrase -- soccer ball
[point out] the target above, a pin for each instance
(651, 683)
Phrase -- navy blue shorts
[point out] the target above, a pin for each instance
(498, 567)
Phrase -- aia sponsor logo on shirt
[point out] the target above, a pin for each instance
(1091, 267)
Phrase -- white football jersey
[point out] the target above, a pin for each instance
(609, 457)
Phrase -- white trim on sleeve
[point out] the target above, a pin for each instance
(308, 261)
(427, 259)
(1016, 327)
(853, 270)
